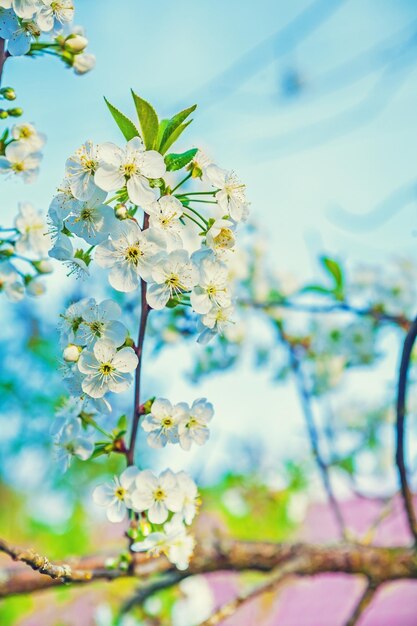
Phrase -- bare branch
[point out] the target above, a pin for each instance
(271, 584)
(364, 601)
(305, 398)
(379, 564)
(400, 428)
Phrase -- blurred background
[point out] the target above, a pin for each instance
(313, 103)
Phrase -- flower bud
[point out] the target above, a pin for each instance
(76, 43)
(8, 93)
(16, 112)
(83, 63)
(71, 353)
(3, 114)
(35, 288)
(145, 527)
(43, 267)
(121, 212)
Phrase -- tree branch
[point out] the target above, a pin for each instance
(400, 428)
(379, 564)
(144, 312)
(3, 57)
(364, 601)
(305, 399)
(230, 608)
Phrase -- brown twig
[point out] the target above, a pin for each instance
(272, 584)
(3, 57)
(400, 428)
(364, 601)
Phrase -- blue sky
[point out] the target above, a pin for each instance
(345, 141)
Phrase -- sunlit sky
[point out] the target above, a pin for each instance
(344, 141)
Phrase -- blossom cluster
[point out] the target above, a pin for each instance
(180, 423)
(22, 22)
(167, 503)
(183, 253)
(93, 338)
(23, 254)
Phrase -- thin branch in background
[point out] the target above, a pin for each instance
(271, 584)
(147, 590)
(306, 402)
(400, 428)
(364, 601)
(266, 52)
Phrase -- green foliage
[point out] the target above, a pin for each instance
(177, 161)
(126, 125)
(148, 120)
(171, 129)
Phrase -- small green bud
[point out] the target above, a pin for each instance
(8, 93)
(16, 112)
(3, 114)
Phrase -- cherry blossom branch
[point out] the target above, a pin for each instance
(364, 601)
(379, 564)
(305, 399)
(37, 562)
(379, 316)
(400, 428)
(144, 312)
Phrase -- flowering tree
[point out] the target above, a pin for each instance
(167, 228)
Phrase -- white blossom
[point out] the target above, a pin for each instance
(63, 250)
(101, 322)
(71, 442)
(10, 282)
(54, 13)
(131, 167)
(212, 287)
(91, 219)
(106, 369)
(172, 275)
(116, 496)
(230, 196)
(194, 426)
(157, 495)
(162, 422)
(129, 255)
(29, 136)
(220, 236)
(165, 215)
(216, 321)
(21, 161)
(173, 542)
(190, 497)
(32, 228)
(83, 63)
(80, 169)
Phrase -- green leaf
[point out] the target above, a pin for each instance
(172, 126)
(126, 125)
(177, 161)
(334, 269)
(174, 136)
(122, 423)
(317, 289)
(148, 120)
